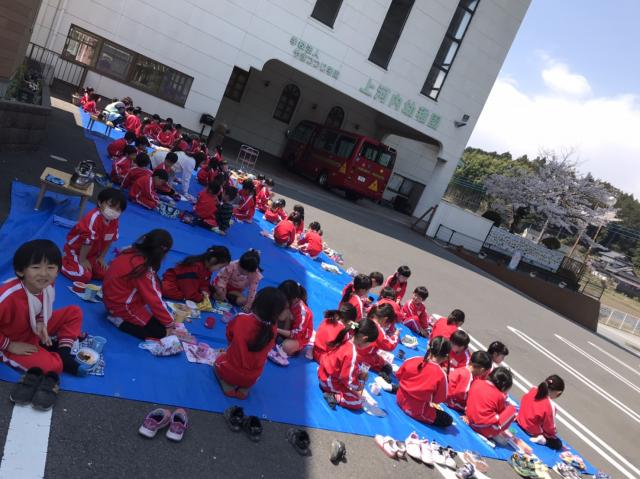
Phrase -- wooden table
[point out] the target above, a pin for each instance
(66, 188)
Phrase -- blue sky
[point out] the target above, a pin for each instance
(572, 81)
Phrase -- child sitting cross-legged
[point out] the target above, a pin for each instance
(335, 320)
(140, 169)
(276, 211)
(247, 205)
(415, 316)
(232, 280)
(115, 149)
(398, 281)
(144, 190)
(384, 317)
(445, 327)
(310, 242)
(251, 336)
(460, 380)
(123, 164)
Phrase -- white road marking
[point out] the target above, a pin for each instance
(58, 158)
(614, 373)
(566, 419)
(25, 449)
(578, 375)
(445, 471)
(630, 368)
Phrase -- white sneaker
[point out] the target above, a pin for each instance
(426, 454)
(449, 458)
(437, 452)
(384, 385)
(275, 357)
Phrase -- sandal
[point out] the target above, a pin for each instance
(338, 452)
(47, 392)
(253, 427)
(387, 444)
(300, 441)
(234, 415)
(412, 443)
(476, 461)
(25, 389)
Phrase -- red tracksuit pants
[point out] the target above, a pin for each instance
(345, 396)
(73, 270)
(505, 419)
(66, 324)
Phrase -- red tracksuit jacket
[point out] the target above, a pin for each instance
(460, 380)
(327, 332)
(396, 308)
(487, 408)
(418, 388)
(302, 324)
(537, 417)
(133, 174)
(358, 303)
(14, 315)
(262, 199)
(238, 366)
(132, 123)
(186, 282)
(206, 175)
(273, 216)
(206, 207)
(441, 328)
(385, 342)
(120, 169)
(459, 360)
(284, 233)
(93, 229)
(128, 298)
(247, 207)
(339, 368)
(144, 193)
(151, 130)
(398, 288)
(416, 313)
(90, 107)
(165, 138)
(115, 148)
(313, 242)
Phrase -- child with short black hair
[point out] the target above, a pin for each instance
(123, 164)
(264, 195)
(131, 120)
(415, 316)
(167, 165)
(89, 240)
(388, 296)
(224, 213)
(152, 129)
(116, 147)
(460, 380)
(459, 357)
(445, 327)
(237, 276)
(498, 351)
(276, 211)
(335, 320)
(144, 190)
(207, 204)
(311, 242)
(537, 413)
(398, 281)
(384, 318)
(356, 293)
(140, 169)
(296, 332)
(300, 210)
(284, 234)
(247, 206)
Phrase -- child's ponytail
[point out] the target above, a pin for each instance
(347, 293)
(268, 305)
(346, 312)
(439, 347)
(341, 336)
(361, 281)
(552, 383)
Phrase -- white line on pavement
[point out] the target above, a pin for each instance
(615, 359)
(25, 449)
(565, 418)
(614, 373)
(581, 377)
(445, 471)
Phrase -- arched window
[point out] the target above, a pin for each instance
(287, 103)
(335, 117)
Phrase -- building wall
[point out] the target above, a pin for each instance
(205, 39)
(16, 22)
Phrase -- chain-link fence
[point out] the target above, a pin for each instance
(619, 320)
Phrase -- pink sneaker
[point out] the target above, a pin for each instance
(155, 420)
(178, 425)
(276, 356)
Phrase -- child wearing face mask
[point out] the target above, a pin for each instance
(89, 240)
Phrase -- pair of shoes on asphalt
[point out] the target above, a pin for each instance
(392, 448)
(430, 453)
(278, 356)
(237, 421)
(160, 418)
(36, 388)
(338, 452)
(567, 471)
(300, 441)
(527, 466)
(473, 458)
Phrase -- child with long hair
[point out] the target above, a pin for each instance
(190, 279)
(247, 204)
(264, 195)
(340, 375)
(498, 351)
(131, 289)
(415, 316)
(460, 380)
(423, 384)
(488, 412)
(460, 355)
(28, 320)
(398, 281)
(241, 274)
(251, 337)
(387, 296)
(384, 318)
(356, 293)
(295, 333)
(445, 327)
(311, 242)
(537, 415)
(300, 210)
(335, 320)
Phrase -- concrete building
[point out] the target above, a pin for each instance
(413, 73)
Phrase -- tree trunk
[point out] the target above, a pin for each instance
(544, 228)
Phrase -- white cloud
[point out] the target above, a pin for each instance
(603, 130)
(558, 78)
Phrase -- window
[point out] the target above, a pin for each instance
(302, 133)
(287, 103)
(385, 159)
(237, 83)
(326, 140)
(390, 32)
(449, 48)
(335, 117)
(126, 66)
(369, 152)
(345, 146)
(401, 185)
(326, 11)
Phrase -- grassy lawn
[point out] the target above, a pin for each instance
(621, 302)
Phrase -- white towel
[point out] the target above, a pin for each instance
(36, 307)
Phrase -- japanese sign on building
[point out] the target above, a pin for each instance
(307, 53)
(406, 106)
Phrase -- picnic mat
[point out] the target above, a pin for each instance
(289, 395)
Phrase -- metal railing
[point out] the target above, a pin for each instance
(54, 67)
(619, 320)
(449, 236)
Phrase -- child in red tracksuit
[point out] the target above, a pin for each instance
(208, 201)
(190, 279)
(264, 195)
(445, 327)
(340, 375)
(384, 318)
(165, 137)
(422, 384)
(152, 129)
(415, 316)
(140, 168)
(89, 240)
(298, 329)
(115, 149)
(300, 210)
(276, 211)
(167, 165)
(145, 189)
(335, 320)
(356, 293)
(27, 318)
(131, 121)
(236, 276)
(247, 204)
(131, 289)
(459, 356)
(91, 106)
(207, 173)
(122, 165)
(537, 412)
(460, 380)
(398, 281)
(251, 337)
(311, 242)
(388, 296)
(284, 234)
(487, 408)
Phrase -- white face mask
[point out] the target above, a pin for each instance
(110, 214)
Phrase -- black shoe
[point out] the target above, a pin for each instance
(47, 393)
(234, 415)
(338, 452)
(253, 427)
(331, 400)
(25, 389)
(300, 441)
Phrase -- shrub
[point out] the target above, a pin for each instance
(493, 216)
(551, 242)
